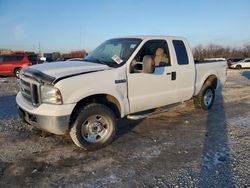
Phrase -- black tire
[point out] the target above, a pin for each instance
(17, 72)
(238, 67)
(201, 101)
(86, 122)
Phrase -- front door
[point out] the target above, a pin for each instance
(147, 91)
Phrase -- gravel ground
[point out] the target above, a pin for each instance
(183, 148)
(8, 86)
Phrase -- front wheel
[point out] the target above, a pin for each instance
(205, 99)
(94, 127)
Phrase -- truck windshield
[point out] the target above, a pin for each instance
(114, 52)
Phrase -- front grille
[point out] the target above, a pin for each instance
(30, 92)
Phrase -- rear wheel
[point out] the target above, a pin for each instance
(17, 72)
(94, 127)
(205, 99)
(238, 67)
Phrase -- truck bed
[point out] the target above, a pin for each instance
(203, 69)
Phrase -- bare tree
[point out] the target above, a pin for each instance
(217, 51)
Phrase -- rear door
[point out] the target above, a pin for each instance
(6, 65)
(186, 69)
(12, 62)
(2, 65)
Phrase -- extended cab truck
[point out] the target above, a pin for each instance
(121, 77)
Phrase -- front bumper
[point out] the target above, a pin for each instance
(51, 118)
(53, 124)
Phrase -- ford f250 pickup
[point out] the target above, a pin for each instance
(123, 77)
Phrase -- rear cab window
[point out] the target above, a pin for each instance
(181, 52)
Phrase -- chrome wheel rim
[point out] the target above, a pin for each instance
(95, 128)
(208, 97)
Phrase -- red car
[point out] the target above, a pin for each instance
(11, 64)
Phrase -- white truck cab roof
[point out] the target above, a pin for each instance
(149, 37)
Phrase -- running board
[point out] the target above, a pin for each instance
(169, 108)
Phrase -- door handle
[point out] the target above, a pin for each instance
(173, 75)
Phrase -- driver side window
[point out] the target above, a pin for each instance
(157, 50)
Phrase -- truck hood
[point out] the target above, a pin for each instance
(53, 72)
(65, 68)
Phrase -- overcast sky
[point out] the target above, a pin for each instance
(63, 25)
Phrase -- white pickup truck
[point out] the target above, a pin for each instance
(121, 77)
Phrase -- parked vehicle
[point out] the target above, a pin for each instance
(231, 61)
(64, 58)
(245, 63)
(34, 59)
(122, 77)
(48, 57)
(11, 64)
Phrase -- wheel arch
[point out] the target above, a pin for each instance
(213, 80)
(14, 70)
(238, 66)
(106, 99)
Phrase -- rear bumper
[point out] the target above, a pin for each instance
(53, 124)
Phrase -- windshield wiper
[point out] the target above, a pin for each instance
(99, 61)
(96, 61)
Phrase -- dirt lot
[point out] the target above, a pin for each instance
(184, 148)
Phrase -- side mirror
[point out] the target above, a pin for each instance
(148, 65)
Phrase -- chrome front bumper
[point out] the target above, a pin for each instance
(53, 124)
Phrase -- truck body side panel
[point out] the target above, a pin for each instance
(204, 70)
(111, 82)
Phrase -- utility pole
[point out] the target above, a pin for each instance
(39, 46)
(33, 47)
(80, 37)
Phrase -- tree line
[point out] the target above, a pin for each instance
(217, 51)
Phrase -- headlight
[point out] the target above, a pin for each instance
(50, 95)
